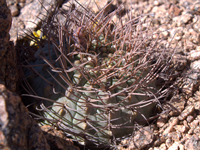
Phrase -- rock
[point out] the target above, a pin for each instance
(14, 10)
(95, 7)
(174, 1)
(181, 128)
(162, 120)
(182, 20)
(195, 64)
(18, 130)
(195, 38)
(178, 103)
(57, 140)
(159, 141)
(31, 15)
(174, 10)
(169, 142)
(8, 58)
(191, 82)
(193, 125)
(163, 147)
(193, 143)
(190, 118)
(158, 2)
(177, 33)
(5, 24)
(197, 130)
(196, 8)
(174, 146)
(196, 24)
(188, 111)
(141, 139)
(194, 55)
(175, 136)
(189, 45)
(174, 121)
(11, 2)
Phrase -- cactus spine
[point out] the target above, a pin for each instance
(97, 78)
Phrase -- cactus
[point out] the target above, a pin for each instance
(96, 78)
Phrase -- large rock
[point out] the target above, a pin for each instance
(31, 15)
(17, 129)
(57, 140)
(8, 59)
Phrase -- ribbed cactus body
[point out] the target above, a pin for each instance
(99, 110)
(97, 87)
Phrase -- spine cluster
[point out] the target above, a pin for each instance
(96, 78)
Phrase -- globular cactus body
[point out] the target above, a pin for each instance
(99, 85)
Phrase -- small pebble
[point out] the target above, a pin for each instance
(195, 64)
(162, 120)
(180, 128)
(193, 143)
(174, 10)
(194, 55)
(14, 10)
(168, 142)
(188, 111)
(175, 146)
(158, 2)
(190, 118)
(163, 147)
(171, 126)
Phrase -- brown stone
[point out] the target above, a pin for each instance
(174, 121)
(18, 130)
(162, 120)
(175, 146)
(14, 10)
(177, 103)
(5, 24)
(190, 118)
(57, 140)
(193, 143)
(8, 58)
(141, 139)
(174, 10)
(188, 111)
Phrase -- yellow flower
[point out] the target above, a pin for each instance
(38, 35)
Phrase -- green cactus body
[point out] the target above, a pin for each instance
(97, 92)
(91, 109)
